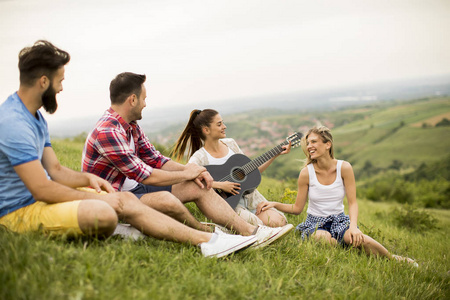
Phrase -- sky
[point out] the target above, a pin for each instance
(211, 51)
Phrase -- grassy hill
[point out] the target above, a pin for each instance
(391, 132)
(404, 155)
(37, 267)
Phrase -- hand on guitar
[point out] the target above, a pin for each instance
(263, 206)
(287, 148)
(228, 187)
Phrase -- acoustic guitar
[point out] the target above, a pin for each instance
(241, 169)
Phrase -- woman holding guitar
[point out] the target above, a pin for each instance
(326, 181)
(205, 133)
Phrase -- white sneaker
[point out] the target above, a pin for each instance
(223, 244)
(267, 235)
(127, 231)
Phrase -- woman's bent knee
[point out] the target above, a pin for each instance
(274, 220)
(277, 221)
(321, 235)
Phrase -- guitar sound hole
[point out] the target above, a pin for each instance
(238, 174)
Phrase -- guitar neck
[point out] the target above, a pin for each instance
(255, 163)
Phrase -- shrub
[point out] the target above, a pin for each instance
(435, 170)
(396, 164)
(424, 193)
(428, 186)
(289, 196)
(414, 219)
(400, 192)
(443, 122)
(434, 193)
(379, 190)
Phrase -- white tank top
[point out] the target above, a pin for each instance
(325, 200)
(218, 161)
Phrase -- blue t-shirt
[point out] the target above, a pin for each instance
(23, 138)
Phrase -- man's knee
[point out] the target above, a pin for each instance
(206, 195)
(171, 203)
(162, 201)
(96, 216)
(128, 198)
(189, 191)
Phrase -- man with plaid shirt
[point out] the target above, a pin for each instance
(119, 151)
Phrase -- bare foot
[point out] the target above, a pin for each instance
(405, 259)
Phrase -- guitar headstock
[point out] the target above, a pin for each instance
(295, 139)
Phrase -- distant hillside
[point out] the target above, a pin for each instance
(396, 133)
(373, 137)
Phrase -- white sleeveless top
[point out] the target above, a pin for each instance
(325, 200)
(218, 161)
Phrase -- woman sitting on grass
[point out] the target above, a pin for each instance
(205, 133)
(327, 181)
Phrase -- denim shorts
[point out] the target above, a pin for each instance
(142, 189)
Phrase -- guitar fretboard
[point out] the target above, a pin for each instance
(255, 163)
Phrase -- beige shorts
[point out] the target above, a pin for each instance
(53, 219)
(251, 218)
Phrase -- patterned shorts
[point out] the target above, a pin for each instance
(336, 225)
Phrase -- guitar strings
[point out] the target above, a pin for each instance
(252, 165)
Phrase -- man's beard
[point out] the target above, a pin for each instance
(137, 114)
(49, 100)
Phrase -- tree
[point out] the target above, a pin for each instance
(443, 122)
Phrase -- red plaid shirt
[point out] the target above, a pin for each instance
(107, 151)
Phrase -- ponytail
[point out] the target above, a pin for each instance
(192, 134)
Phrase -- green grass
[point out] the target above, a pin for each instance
(37, 267)
(69, 153)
